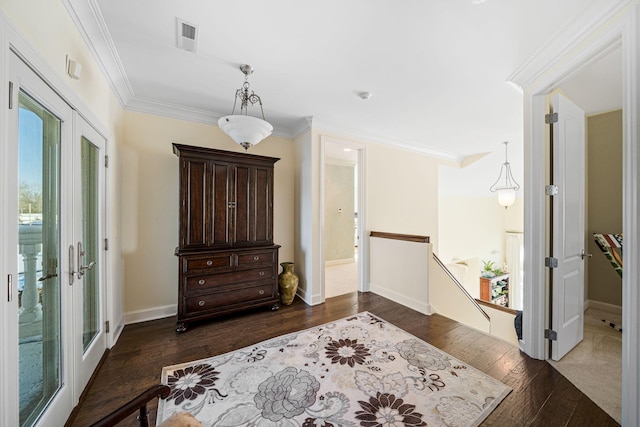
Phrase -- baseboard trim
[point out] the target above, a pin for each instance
(401, 299)
(150, 314)
(339, 262)
(611, 308)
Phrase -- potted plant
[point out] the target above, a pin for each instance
(489, 269)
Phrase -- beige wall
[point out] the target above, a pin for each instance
(475, 227)
(150, 202)
(604, 198)
(402, 192)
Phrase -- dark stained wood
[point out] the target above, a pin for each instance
(137, 404)
(226, 207)
(496, 306)
(395, 236)
(541, 396)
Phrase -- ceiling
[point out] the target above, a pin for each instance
(436, 69)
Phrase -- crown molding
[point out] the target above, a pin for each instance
(303, 125)
(182, 112)
(361, 135)
(99, 42)
(595, 14)
(165, 109)
(90, 23)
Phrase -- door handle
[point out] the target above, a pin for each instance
(51, 270)
(584, 255)
(83, 268)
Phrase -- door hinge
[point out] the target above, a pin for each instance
(551, 118)
(9, 287)
(107, 326)
(10, 95)
(551, 262)
(106, 161)
(551, 190)
(551, 335)
(106, 244)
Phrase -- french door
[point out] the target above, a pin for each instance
(58, 335)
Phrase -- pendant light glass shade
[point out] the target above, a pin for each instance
(506, 197)
(506, 186)
(244, 129)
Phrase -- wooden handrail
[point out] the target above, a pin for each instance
(405, 237)
(139, 403)
(496, 306)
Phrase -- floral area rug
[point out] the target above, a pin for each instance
(357, 371)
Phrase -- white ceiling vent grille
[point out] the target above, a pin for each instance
(187, 34)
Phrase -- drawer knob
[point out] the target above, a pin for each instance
(261, 291)
(261, 274)
(209, 263)
(201, 282)
(256, 258)
(201, 303)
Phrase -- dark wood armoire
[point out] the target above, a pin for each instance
(227, 259)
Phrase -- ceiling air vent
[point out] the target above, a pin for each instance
(186, 37)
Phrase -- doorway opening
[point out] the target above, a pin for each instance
(597, 90)
(342, 218)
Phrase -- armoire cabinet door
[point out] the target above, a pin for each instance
(226, 199)
(194, 212)
(262, 199)
(221, 205)
(242, 214)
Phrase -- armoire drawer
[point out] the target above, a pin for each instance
(219, 300)
(255, 259)
(207, 282)
(211, 262)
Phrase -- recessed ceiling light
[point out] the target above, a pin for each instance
(365, 95)
(348, 149)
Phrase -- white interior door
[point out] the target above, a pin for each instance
(568, 226)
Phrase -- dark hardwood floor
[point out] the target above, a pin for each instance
(540, 396)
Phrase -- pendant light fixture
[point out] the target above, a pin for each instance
(244, 129)
(506, 186)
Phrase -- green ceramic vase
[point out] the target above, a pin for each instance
(288, 281)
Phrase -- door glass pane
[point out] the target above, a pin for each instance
(38, 254)
(90, 237)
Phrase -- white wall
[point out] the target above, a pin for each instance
(401, 189)
(399, 271)
(475, 226)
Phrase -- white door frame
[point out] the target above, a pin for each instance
(363, 241)
(598, 30)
